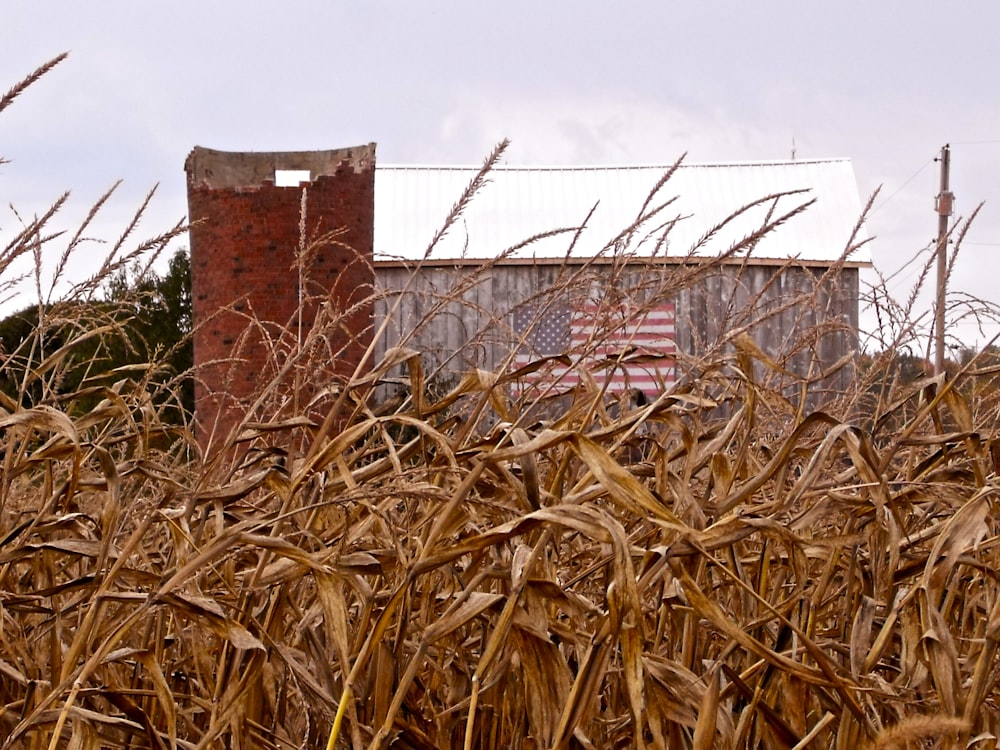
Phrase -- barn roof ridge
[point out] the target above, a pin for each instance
(426, 166)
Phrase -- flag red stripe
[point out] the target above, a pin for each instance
(600, 333)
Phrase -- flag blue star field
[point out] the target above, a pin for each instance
(548, 335)
(627, 347)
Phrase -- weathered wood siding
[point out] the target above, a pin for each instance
(460, 317)
(806, 318)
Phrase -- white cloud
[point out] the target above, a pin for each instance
(594, 130)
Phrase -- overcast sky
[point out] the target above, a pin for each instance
(576, 82)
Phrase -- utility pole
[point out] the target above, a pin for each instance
(945, 199)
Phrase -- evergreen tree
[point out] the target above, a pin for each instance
(145, 319)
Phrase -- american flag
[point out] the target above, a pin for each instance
(594, 336)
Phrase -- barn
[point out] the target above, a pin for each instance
(634, 275)
(631, 278)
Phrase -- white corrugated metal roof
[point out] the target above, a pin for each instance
(412, 202)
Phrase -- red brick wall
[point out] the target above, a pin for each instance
(245, 242)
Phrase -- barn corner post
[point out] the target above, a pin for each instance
(276, 238)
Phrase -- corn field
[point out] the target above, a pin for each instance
(719, 567)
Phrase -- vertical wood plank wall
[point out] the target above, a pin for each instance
(460, 317)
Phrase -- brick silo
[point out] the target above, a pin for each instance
(276, 238)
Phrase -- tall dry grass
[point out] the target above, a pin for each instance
(453, 571)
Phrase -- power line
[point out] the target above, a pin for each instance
(908, 181)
